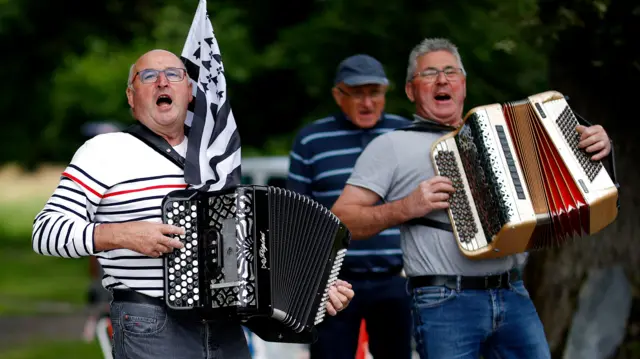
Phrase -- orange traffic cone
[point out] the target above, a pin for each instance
(363, 342)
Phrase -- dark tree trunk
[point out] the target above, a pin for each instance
(593, 64)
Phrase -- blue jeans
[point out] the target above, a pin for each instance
(386, 308)
(494, 323)
(146, 331)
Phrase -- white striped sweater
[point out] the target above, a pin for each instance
(112, 178)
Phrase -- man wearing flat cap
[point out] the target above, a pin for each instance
(322, 158)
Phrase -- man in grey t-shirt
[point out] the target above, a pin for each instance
(462, 307)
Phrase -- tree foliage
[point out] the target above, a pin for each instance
(280, 58)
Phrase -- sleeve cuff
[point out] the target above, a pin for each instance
(84, 239)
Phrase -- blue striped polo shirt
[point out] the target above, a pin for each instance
(322, 159)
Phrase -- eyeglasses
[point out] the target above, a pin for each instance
(431, 74)
(361, 95)
(172, 74)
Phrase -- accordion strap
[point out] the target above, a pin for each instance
(426, 126)
(428, 222)
(156, 142)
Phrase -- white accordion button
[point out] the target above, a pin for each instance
(190, 301)
(187, 218)
(182, 222)
(172, 277)
(195, 270)
(193, 208)
(196, 290)
(178, 287)
(196, 297)
(188, 246)
(188, 225)
(170, 222)
(176, 212)
(195, 235)
(169, 215)
(183, 277)
(175, 204)
(181, 208)
(172, 297)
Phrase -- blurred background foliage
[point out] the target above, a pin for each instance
(65, 64)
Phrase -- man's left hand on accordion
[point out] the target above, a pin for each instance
(340, 294)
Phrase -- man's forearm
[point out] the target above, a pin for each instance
(366, 221)
(108, 236)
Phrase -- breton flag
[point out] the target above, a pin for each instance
(213, 153)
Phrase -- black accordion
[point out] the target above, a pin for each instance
(263, 254)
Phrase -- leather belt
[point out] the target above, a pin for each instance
(467, 282)
(131, 296)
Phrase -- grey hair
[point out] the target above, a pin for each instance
(431, 45)
(131, 74)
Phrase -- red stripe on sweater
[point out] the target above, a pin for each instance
(145, 189)
(76, 180)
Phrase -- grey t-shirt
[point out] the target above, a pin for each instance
(393, 165)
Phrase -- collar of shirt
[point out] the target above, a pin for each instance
(417, 117)
(347, 121)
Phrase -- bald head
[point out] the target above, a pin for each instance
(159, 93)
(150, 54)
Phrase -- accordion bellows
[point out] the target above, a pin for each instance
(521, 181)
(264, 254)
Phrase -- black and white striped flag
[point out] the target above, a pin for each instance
(213, 153)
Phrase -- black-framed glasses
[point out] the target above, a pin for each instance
(361, 95)
(431, 73)
(173, 74)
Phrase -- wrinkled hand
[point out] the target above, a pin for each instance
(594, 139)
(432, 194)
(340, 294)
(150, 238)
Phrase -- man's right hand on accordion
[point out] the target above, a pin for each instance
(340, 295)
(150, 239)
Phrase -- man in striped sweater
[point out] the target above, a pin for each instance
(321, 161)
(107, 204)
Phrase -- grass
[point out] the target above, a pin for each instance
(29, 278)
(57, 349)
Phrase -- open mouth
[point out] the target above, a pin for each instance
(164, 100)
(442, 97)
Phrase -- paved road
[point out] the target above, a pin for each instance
(46, 320)
(18, 330)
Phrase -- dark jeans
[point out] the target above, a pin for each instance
(147, 331)
(386, 308)
(464, 324)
